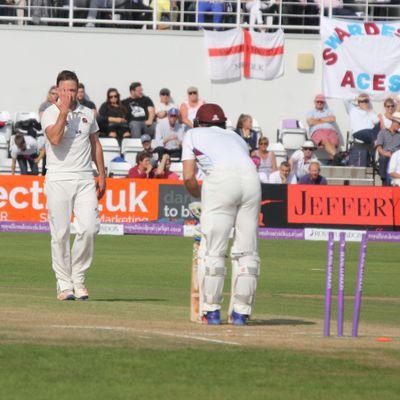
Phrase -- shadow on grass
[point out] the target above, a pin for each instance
(128, 300)
(277, 322)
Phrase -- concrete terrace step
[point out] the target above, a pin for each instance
(346, 172)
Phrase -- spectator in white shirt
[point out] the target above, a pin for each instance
(25, 151)
(301, 159)
(283, 175)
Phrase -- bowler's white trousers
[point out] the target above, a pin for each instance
(64, 198)
(230, 199)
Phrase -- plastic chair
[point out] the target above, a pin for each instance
(280, 153)
(118, 169)
(130, 147)
(111, 149)
(6, 125)
(291, 134)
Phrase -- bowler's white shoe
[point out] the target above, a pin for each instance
(66, 295)
(81, 294)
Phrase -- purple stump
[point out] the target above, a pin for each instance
(341, 273)
(328, 284)
(359, 285)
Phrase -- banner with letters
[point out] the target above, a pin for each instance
(360, 57)
(132, 201)
(238, 52)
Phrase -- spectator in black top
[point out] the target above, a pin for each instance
(113, 117)
(244, 129)
(83, 99)
(141, 112)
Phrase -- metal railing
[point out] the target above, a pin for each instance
(292, 16)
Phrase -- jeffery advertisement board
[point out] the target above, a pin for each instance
(22, 199)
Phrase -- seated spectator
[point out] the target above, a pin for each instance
(52, 97)
(300, 160)
(146, 143)
(322, 125)
(267, 158)
(313, 177)
(94, 7)
(25, 150)
(244, 129)
(214, 6)
(112, 117)
(254, 7)
(141, 112)
(144, 168)
(6, 9)
(82, 98)
(283, 175)
(338, 8)
(385, 119)
(164, 105)
(189, 108)
(363, 120)
(169, 135)
(387, 143)
(394, 168)
(164, 169)
(164, 8)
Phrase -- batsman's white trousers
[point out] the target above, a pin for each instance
(230, 199)
(63, 199)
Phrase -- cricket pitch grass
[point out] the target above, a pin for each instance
(133, 338)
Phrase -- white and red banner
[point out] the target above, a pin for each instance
(360, 57)
(237, 52)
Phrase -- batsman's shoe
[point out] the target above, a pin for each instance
(66, 295)
(239, 319)
(212, 318)
(81, 294)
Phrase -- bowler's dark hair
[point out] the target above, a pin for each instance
(67, 76)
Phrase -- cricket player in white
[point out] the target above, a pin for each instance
(230, 198)
(71, 145)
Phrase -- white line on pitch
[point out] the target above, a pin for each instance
(123, 329)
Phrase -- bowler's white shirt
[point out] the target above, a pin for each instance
(72, 158)
(394, 166)
(275, 177)
(216, 148)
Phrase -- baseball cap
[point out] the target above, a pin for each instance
(173, 111)
(308, 144)
(165, 91)
(396, 117)
(145, 138)
(320, 97)
(210, 113)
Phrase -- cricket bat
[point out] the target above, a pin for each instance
(194, 288)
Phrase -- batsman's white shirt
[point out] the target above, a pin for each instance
(216, 148)
(72, 158)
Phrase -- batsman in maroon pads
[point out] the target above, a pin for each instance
(230, 198)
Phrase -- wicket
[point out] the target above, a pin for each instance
(341, 282)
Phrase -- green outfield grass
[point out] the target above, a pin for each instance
(133, 340)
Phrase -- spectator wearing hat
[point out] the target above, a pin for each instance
(300, 160)
(141, 112)
(313, 177)
(169, 135)
(188, 108)
(164, 105)
(323, 129)
(387, 143)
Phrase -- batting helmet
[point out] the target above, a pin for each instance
(211, 114)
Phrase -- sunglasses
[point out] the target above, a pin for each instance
(263, 143)
(113, 96)
(309, 148)
(363, 101)
(53, 93)
(320, 102)
(164, 94)
(389, 106)
(192, 92)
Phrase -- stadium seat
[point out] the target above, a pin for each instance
(6, 125)
(177, 167)
(291, 134)
(118, 169)
(110, 149)
(130, 147)
(279, 151)
(3, 148)
(5, 167)
(229, 124)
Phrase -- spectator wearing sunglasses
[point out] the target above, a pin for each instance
(189, 107)
(112, 117)
(385, 119)
(267, 158)
(164, 105)
(323, 129)
(301, 159)
(364, 121)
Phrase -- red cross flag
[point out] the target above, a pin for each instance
(238, 52)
